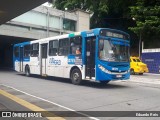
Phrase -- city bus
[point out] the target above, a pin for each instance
(100, 54)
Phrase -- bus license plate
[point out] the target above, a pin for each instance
(118, 76)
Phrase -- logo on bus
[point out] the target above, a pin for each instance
(71, 61)
(90, 34)
(54, 61)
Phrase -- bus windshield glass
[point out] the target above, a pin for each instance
(109, 51)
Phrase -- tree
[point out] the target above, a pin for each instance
(146, 14)
(95, 7)
(104, 13)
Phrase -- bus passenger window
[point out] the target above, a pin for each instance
(27, 51)
(64, 47)
(53, 47)
(76, 45)
(35, 50)
(78, 51)
(16, 51)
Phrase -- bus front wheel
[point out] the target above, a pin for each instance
(132, 71)
(27, 71)
(76, 76)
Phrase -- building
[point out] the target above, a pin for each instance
(38, 23)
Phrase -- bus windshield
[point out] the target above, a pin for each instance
(110, 51)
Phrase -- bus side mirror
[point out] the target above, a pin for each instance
(101, 45)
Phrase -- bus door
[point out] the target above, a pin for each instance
(90, 56)
(44, 58)
(21, 59)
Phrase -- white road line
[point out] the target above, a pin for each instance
(93, 118)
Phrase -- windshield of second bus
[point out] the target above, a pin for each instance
(109, 51)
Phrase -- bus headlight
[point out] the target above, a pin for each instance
(109, 72)
(104, 69)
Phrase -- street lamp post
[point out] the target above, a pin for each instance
(140, 39)
(61, 25)
(62, 17)
(47, 20)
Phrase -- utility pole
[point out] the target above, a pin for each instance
(140, 39)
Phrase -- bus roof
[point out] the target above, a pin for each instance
(21, 44)
(92, 32)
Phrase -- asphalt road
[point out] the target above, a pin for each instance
(140, 93)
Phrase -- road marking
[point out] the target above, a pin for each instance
(29, 105)
(93, 118)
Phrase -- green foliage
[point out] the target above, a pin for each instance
(95, 7)
(118, 13)
(147, 18)
(101, 10)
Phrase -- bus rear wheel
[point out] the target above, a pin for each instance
(27, 71)
(76, 76)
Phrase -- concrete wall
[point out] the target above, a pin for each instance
(83, 20)
(43, 22)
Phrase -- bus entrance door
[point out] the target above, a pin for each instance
(43, 59)
(90, 59)
(21, 59)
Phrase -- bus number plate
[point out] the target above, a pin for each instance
(118, 76)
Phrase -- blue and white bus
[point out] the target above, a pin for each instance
(100, 54)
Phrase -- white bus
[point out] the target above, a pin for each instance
(100, 54)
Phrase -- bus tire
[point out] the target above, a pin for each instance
(76, 76)
(132, 71)
(140, 73)
(27, 71)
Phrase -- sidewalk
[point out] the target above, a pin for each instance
(152, 74)
(144, 79)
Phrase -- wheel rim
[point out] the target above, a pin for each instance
(27, 72)
(132, 72)
(75, 76)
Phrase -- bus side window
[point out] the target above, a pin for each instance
(16, 51)
(35, 50)
(53, 47)
(27, 50)
(64, 47)
(76, 45)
